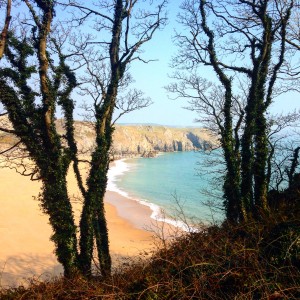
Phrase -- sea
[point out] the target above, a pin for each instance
(181, 188)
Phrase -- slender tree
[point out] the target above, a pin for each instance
(32, 110)
(244, 42)
(106, 58)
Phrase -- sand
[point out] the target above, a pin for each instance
(26, 249)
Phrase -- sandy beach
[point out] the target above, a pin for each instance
(26, 249)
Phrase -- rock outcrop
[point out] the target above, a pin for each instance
(138, 140)
(148, 140)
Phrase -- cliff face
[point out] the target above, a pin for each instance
(141, 139)
(138, 140)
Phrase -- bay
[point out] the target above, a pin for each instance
(168, 182)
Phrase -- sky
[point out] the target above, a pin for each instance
(151, 78)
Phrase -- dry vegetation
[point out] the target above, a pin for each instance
(253, 261)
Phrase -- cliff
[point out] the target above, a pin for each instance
(141, 139)
(137, 140)
(145, 140)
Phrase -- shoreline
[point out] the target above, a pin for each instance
(156, 213)
(27, 251)
(142, 215)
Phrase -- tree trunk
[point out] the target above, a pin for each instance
(231, 182)
(93, 222)
(3, 35)
(261, 141)
(231, 188)
(259, 170)
(56, 204)
(247, 159)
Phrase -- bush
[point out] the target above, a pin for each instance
(248, 261)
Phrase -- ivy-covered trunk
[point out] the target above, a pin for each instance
(231, 180)
(259, 170)
(231, 187)
(93, 225)
(247, 158)
(99, 221)
(56, 204)
(255, 150)
(99, 173)
(254, 186)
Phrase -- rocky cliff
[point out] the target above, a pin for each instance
(144, 140)
(137, 140)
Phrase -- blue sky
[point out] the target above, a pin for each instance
(152, 77)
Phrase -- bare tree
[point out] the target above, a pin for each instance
(32, 96)
(131, 25)
(244, 43)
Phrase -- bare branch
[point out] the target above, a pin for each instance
(130, 102)
(3, 35)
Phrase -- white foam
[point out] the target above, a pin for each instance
(116, 171)
(159, 215)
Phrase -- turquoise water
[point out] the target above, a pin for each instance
(168, 176)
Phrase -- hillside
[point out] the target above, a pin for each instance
(145, 140)
(134, 140)
(248, 261)
(140, 139)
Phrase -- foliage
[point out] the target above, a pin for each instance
(36, 80)
(246, 45)
(226, 262)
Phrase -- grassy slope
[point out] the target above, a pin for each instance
(254, 261)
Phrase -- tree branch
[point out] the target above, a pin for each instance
(3, 36)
